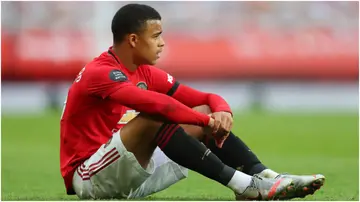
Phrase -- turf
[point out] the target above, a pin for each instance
(307, 143)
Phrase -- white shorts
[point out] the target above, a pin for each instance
(113, 172)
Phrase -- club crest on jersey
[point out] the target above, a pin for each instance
(117, 75)
(142, 85)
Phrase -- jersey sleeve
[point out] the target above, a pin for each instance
(154, 103)
(162, 82)
(105, 80)
(108, 82)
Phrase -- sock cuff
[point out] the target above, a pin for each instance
(161, 129)
(256, 169)
(165, 132)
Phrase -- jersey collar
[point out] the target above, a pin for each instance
(112, 53)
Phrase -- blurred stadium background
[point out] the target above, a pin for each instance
(288, 69)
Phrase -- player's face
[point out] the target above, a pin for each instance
(150, 43)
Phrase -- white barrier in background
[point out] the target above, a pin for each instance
(22, 98)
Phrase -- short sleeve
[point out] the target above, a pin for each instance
(105, 80)
(162, 82)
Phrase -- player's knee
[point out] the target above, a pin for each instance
(205, 109)
(144, 125)
(196, 131)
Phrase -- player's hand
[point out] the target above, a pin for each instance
(226, 122)
(213, 126)
(225, 118)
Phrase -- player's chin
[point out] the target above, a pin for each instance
(153, 62)
(149, 62)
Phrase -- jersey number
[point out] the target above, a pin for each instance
(62, 113)
(78, 78)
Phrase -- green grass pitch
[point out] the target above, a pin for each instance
(299, 144)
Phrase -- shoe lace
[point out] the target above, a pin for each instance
(258, 176)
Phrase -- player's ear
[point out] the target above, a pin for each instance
(133, 39)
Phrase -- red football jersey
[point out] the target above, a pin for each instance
(89, 117)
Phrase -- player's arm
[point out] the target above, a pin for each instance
(165, 83)
(151, 102)
(192, 97)
(113, 84)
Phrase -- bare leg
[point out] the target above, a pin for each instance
(138, 136)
